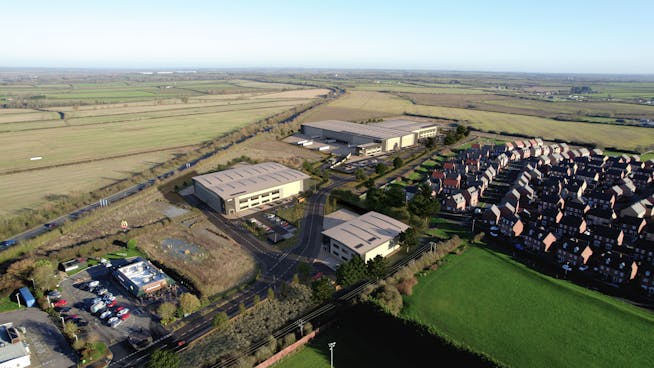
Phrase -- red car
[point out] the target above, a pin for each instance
(60, 303)
(120, 308)
(112, 304)
(124, 316)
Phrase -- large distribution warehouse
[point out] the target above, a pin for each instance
(234, 190)
(386, 136)
(367, 236)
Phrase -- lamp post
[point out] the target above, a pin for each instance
(331, 353)
(300, 324)
(33, 284)
(18, 299)
(63, 323)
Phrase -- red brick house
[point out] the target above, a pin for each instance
(572, 251)
(571, 226)
(471, 196)
(537, 240)
(511, 226)
(607, 237)
(617, 268)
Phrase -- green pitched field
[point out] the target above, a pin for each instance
(490, 303)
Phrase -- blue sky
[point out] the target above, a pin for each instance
(523, 36)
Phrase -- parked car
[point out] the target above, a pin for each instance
(96, 300)
(124, 316)
(63, 309)
(122, 311)
(61, 303)
(118, 309)
(116, 322)
(112, 320)
(80, 322)
(50, 225)
(102, 291)
(109, 298)
(583, 267)
(54, 294)
(106, 314)
(112, 303)
(94, 283)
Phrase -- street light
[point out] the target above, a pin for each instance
(33, 284)
(300, 324)
(331, 353)
(63, 323)
(18, 299)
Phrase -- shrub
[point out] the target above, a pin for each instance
(405, 287)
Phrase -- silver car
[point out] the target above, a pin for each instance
(105, 314)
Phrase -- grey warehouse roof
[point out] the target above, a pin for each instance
(249, 178)
(406, 125)
(367, 130)
(366, 232)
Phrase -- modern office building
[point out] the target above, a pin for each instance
(371, 138)
(14, 352)
(234, 190)
(141, 277)
(366, 236)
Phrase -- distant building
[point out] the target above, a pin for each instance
(140, 277)
(390, 135)
(366, 236)
(14, 352)
(234, 190)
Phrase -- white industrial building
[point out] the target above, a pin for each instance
(346, 235)
(234, 190)
(14, 352)
(371, 138)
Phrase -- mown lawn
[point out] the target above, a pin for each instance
(492, 304)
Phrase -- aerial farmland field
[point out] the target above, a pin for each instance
(83, 145)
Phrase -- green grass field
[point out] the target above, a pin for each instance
(490, 303)
(360, 105)
(99, 144)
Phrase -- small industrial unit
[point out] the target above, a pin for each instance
(14, 352)
(140, 277)
(372, 234)
(234, 190)
(372, 138)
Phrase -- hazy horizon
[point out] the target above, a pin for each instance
(557, 37)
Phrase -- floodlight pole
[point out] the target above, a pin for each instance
(331, 353)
